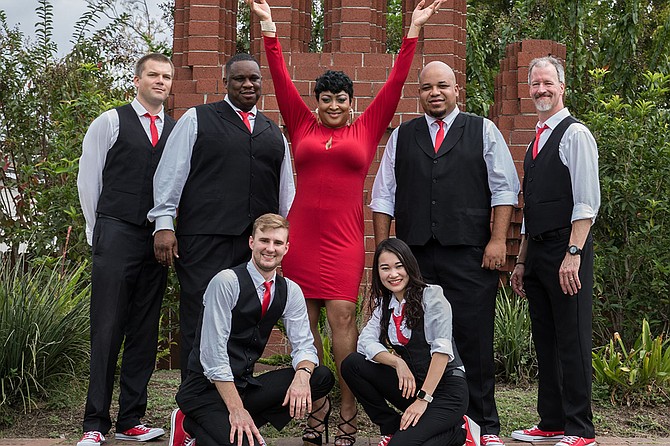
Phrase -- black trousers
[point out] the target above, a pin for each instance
(201, 257)
(563, 337)
(127, 286)
(207, 417)
(376, 385)
(471, 290)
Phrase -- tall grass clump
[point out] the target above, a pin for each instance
(513, 345)
(44, 329)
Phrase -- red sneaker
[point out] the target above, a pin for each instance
(91, 438)
(471, 431)
(491, 440)
(140, 433)
(384, 440)
(576, 441)
(178, 436)
(535, 434)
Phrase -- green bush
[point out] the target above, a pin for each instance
(513, 346)
(44, 328)
(637, 375)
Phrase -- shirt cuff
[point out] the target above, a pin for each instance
(442, 345)
(219, 374)
(583, 211)
(304, 356)
(504, 199)
(164, 222)
(373, 350)
(382, 205)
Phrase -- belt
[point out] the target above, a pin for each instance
(455, 372)
(551, 235)
(145, 224)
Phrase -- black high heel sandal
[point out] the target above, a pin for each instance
(311, 435)
(347, 438)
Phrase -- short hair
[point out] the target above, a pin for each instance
(157, 57)
(239, 57)
(545, 61)
(269, 221)
(334, 81)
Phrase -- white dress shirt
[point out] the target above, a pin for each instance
(437, 325)
(502, 178)
(578, 151)
(219, 300)
(175, 165)
(100, 137)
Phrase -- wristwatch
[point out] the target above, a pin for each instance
(422, 395)
(574, 250)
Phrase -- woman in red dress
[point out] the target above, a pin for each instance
(332, 158)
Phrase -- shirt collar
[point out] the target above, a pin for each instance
(254, 110)
(554, 120)
(141, 111)
(256, 276)
(449, 119)
(393, 302)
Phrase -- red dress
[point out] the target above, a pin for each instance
(327, 253)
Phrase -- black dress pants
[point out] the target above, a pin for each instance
(127, 286)
(376, 385)
(201, 257)
(563, 337)
(471, 290)
(207, 417)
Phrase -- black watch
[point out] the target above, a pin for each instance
(574, 250)
(422, 395)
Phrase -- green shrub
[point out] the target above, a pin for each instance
(44, 329)
(640, 374)
(513, 346)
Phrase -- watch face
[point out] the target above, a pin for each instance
(573, 250)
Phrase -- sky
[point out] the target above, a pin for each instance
(65, 15)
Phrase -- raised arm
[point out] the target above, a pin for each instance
(378, 115)
(293, 109)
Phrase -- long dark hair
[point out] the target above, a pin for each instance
(381, 296)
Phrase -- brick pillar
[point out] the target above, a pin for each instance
(514, 113)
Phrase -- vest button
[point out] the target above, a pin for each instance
(433, 224)
(433, 202)
(530, 180)
(434, 161)
(434, 180)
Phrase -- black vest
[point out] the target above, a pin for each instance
(416, 353)
(249, 332)
(234, 175)
(547, 189)
(128, 175)
(443, 195)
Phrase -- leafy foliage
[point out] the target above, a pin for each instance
(640, 374)
(44, 327)
(632, 260)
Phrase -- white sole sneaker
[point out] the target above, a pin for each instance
(154, 433)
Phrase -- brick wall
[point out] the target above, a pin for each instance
(514, 113)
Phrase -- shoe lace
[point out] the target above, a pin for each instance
(490, 437)
(569, 439)
(188, 441)
(384, 441)
(92, 435)
(142, 428)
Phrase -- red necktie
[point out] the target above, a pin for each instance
(537, 139)
(245, 118)
(439, 137)
(153, 129)
(397, 320)
(266, 298)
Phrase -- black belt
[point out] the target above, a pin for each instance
(551, 235)
(145, 224)
(455, 372)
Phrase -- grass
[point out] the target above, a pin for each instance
(61, 417)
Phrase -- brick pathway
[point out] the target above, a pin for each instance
(602, 441)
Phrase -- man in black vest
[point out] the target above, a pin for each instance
(222, 401)
(121, 150)
(225, 164)
(554, 269)
(440, 177)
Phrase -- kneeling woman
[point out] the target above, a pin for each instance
(415, 319)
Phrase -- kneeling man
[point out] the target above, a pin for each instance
(221, 402)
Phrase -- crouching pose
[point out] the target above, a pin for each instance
(425, 377)
(222, 403)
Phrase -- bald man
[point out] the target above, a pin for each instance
(444, 177)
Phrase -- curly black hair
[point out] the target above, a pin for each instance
(381, 296)
(334, 81)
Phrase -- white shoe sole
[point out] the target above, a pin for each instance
(173, 421)
(155, 433)
(519, 435)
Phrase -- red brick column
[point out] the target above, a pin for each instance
(514, 113)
